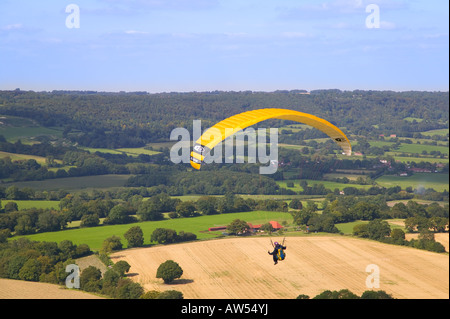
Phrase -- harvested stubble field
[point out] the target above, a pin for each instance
(18, 289)
(237, 268)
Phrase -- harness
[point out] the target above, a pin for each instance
(281, 255)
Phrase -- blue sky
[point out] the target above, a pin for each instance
(205, 45)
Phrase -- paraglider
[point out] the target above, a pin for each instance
(220, 131)
(278, 253)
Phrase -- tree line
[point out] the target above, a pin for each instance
(132, 120)
(426, 219)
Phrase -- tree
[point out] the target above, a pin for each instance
(207, 205)
(170, 294)
(90, 220)
(134, 236)
(151, 294)
(361, 230)
(238, 226)
(25, 225)
(90, 279)
(31, 270)
(67, 249)
(127, 289)
(267, 227)
(341, 294)
(150, 210)
(399, 210)
(50, 221)
(296, 204)
(11, 207)
(186, 209)
(164, 236)
(366, 211)
(111, 244)
(378, 229)
(380, 294)
(398, 235)
(118, 215)
(168, 271)
(121, 267)
(110, 280)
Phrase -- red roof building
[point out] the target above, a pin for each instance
(275, 225)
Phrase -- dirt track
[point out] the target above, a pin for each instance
(241, 268)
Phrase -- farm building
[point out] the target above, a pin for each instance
(276, 226)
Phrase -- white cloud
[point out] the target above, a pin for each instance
(294, 35)
(387, 25)
(135, 32)
(16, 26)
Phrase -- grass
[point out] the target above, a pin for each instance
(347, 228)
(128, 151)
(13, 134)
(439, 182)
(18, 157)
(95, 236)
(137, 151)
(410, 119)
(26, 204)
(444, 131)
(328, 184)
(408, 159)
(75, 183)
(418, 148)
(101, 150)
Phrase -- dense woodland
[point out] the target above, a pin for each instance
(114, 120)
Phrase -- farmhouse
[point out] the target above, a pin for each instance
(253, 228)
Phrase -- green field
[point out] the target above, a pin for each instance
(328, 184)
(418, 148)
(439, 182)
(18, 157)
(95, 236)
(25, 204)
(137, 151)
(128, 151)
(75, 183)
(444, 131)
(14, 128)
(408, 159)
(347, 228)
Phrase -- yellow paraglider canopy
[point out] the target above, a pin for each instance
(235, 123)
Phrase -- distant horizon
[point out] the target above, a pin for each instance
(218, 90)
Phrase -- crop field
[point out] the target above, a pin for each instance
(240, 268)
(18, 289)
